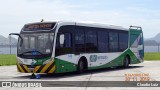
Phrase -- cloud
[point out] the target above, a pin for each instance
(14, 14)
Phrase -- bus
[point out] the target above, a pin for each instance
(59, 47)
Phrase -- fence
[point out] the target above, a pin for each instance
(8, 50)
(152, 48)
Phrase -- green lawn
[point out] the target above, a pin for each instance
(152, 56)
(6, 59)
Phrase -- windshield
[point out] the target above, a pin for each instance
(36, 45)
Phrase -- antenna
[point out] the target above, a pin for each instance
(42, 20)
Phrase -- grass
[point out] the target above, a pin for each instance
(151, 56)
(7, 59)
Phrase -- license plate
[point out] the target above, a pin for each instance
(25, 61)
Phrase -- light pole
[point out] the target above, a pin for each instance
(10, 43)
(158, 46)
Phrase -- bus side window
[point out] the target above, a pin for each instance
(102, 41)
(91, 41)
(79, 41)
(66, 47)
(113, 41)
(123, 41)
(68, 39)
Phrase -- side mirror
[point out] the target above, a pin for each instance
(17, 34)
(61, 39)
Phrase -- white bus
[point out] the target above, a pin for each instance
(58, 47)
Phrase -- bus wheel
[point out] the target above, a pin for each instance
(126, 62)
(80, 66)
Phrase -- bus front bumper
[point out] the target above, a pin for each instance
(47, 68)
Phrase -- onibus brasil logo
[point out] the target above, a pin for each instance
(20, 84)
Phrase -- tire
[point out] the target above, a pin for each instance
(81, 67)
(126, 62)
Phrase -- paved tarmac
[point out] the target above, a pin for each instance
(149, 70)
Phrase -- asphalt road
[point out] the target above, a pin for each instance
(150, 68)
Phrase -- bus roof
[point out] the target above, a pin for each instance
(87, 24)
(93, 25)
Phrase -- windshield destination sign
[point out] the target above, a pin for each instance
(39, 26)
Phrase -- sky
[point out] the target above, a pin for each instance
(145, 13)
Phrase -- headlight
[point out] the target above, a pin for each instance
(19, 61)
